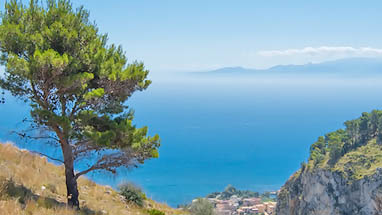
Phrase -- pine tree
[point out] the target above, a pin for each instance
(77, 86)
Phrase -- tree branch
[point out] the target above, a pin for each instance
(52, 158)
(75, 108)
(85, 171)
(110, 162)
(24, 135)
(83, 147)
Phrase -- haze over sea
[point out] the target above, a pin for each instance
(249, 131)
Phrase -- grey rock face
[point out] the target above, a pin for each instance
(323, 192)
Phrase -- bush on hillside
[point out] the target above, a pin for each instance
(155, 212)
(132, 193)
(9, 188)
(202, 207)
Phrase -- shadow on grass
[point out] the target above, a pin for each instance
(9, 188)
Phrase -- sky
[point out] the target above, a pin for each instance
(200, 35)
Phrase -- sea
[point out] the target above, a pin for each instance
(250, 131)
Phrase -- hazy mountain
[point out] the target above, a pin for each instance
(234, 70)
(343, 66)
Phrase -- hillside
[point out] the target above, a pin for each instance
(343, 174)
(29, 184)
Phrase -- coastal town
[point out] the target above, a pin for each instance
(246, 206)
(237, 202)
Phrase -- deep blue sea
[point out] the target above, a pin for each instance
(249, 131)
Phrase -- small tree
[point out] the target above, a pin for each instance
(202, 207)
(318, 151)
(335, 142)
(77, 86)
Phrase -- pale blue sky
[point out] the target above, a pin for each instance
(179, 35)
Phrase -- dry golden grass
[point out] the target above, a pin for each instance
(29, 184)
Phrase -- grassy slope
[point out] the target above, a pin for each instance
(29, 184)
(361, 162)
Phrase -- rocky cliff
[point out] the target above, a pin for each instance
(343, 175)
(324, 192)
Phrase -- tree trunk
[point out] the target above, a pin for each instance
(71, 181)
(71, 186)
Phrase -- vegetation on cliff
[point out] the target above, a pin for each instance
(361, 162)
(355, 151)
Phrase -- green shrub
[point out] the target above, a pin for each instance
(202, 207)
(11, 189)
(132, 193)
(47, 202)
(155, 212)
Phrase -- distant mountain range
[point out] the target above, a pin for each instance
(343, 66)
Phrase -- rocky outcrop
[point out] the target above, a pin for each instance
(324, 192)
